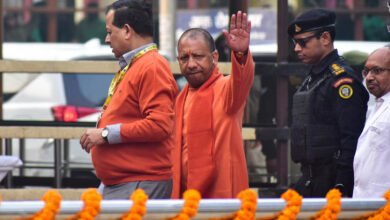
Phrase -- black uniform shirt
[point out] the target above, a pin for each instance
(341, 100)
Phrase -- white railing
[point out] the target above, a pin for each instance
(207, 207)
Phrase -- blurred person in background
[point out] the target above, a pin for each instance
(14, 29)
(92, 26)
(38, 23)
(375, 26)
(66, 26)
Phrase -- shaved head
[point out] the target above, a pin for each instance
(378, 81)
(383, 51)
(195, 33)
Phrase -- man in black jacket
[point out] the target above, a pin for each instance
(329, 109)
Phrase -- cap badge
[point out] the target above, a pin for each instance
(297, 28)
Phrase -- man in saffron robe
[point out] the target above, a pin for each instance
(209, 155)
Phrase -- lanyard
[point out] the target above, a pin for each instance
(120, 74)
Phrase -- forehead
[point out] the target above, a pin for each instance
(380, 58)
(109, 17)
(194, 43)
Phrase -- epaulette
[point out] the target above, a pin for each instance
(336, 69)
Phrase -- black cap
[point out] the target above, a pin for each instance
(313, 20)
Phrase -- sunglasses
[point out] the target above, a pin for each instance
(374, 71)
(303, 41)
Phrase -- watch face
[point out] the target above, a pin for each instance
(105, 133)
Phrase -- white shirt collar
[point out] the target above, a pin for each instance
(384, 98)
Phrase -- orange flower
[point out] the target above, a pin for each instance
(52, 201)
(332, 208)
(182, 216)
(191, 202)
(91, 209)
(190, 207)
(380, 214)
(248, 205)
(386, 209)
(283, 218)
(139, 206)
(294, 202)
(293, 206)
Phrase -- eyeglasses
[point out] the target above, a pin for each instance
(374, 71)
(303, 41)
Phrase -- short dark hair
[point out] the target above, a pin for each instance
(136, 13)
(330, 30)
(193, 33)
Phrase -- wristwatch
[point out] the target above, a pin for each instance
(105, 133)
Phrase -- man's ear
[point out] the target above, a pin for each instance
(326, 38)
(128, 31)
(215, 55)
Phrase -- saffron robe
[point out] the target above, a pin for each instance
(216, 159)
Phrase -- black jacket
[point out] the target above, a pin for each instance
(325, 128)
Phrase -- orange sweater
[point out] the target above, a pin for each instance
(215, 154)
(144, 104)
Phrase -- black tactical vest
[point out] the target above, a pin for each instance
(312, 140)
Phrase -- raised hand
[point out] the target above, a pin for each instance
(239, 36)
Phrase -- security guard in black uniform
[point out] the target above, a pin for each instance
(329, 109)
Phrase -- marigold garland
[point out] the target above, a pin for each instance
(192, 198)
(52, 206)
(332, 208)
(248, 207)
(91, 209)
(290, 212)
(139, 206)
(380, 214)
(294, 202)
(190, 207)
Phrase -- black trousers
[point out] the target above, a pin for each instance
(316, 181)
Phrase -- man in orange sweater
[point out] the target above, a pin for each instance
(209, 155)
(132, 143)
